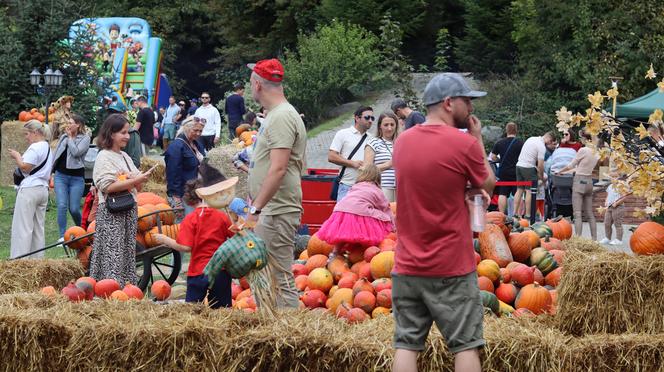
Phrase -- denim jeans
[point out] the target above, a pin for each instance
(68, 193)
(342, 191)
(218, 296)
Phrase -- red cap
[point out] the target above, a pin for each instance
(269, 69)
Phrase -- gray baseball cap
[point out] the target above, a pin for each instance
(397, 104)
(448, 85)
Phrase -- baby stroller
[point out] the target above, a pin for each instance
(559, 196)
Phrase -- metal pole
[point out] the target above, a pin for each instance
(533, 202)
(47, 91)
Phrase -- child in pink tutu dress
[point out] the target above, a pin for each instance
(362, 217)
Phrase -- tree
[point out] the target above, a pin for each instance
(486, 45)
(327, 64)
(365, 12)
(14, 80)
(443, 50)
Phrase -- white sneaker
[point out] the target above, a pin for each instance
(616, 242)
(604, 241)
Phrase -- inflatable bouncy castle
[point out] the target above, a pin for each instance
(128, 56)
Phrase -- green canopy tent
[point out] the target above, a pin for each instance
(642, 107)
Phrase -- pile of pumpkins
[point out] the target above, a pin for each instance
(33, 113)
(356, 285)
(519, 266)
(147, 226)
(87, 288)
(244, 134)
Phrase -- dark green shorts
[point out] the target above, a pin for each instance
(453, 303)
(526, 174)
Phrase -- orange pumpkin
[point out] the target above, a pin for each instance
(92, 228)
(145, 223)
(119, 296)
(40, 117)
(317, 246)
(534, 298)
(507, 292)
(560, 228)
(553, 278)
(24, 116)
(149, 198)
(316, 261)
(149, 238)
(133, 291)
(83, 256)
(140, 238)
(241, 129)
(365, 300)
(167, 216)
(105, 287)
(75, 232)
(381, 265)
(161, 290)
(485, 284)
(245, 137)
(362, 285)
(521, 244)
(34, 110)
(550, 243)
(338, 266)
(300, 282)
(493, 245)
(647, 239)
(379, 311)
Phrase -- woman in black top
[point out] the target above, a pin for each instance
(70, 172)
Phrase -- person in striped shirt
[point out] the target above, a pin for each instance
(378, 151)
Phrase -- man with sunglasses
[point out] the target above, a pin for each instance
(345, 141)
(212, 128)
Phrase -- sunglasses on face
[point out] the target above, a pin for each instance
(200, 120)
(369, 117)
(205, 97)
(180, 104)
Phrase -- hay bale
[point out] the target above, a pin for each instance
(143, 335)
(11, 133)
(30, 275)
(583, 244)
(605, 292)
(222, 158)
(158, 174)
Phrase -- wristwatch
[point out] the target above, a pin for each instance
(254, 210)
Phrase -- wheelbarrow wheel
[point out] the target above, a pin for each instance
(163, 264)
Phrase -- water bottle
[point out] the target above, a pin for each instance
(477, 214)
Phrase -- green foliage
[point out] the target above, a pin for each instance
(14, 80)
(394, 65)
(443, 50)
(575, 47)
(327, 63)
(365, 12)
(486, 45)
(518, 100)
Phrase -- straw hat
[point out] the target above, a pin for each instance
(218, 191)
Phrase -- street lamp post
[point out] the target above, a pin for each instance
(52, 80)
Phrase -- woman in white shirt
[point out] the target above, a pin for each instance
(378, 151)
(32, 196)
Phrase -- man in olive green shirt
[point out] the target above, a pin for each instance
(274, 176)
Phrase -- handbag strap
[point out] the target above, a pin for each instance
(35, 170)
(128, 170)
(357, 147)
(388, 147)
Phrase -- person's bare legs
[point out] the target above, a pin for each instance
(529, 198)
(502, 203)
(467, 361)
(517, 201)
(405, 361)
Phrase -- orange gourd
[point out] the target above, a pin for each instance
(560, 228)
(338, 266)
(534, 298)
(119, 296)
(149, 238)
(83, 256)
(493, 245)
(485, 284)
(75, 232)
(550, 243)
(647, 239)
(145, 223)
(92, 228)
(161, 290)
(24, 116)
(166, 215)
(105, 287)
(149, 198)
(321, 279)
(241, 129)
(521, 244)
(365, 300)
(316, 261)
(553, 278)
(379, 311)
(317, 246)
(489, 269)
(381, 265)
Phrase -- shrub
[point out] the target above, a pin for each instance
(327, 64)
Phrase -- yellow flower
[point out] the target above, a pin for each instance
(601, 210)
(251, 244)
(612, 93)
(259, 262)
(642, 131)
(596, 99)
(577, 119)
(563, 115)
(562, 126)
(655, 116)
(651, 73)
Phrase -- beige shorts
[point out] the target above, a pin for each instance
(454, 303)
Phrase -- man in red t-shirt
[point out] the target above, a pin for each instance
(438, 169)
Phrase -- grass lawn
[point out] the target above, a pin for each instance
(8, 196)
(332, 123)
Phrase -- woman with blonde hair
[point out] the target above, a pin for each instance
(31, 179)
(378, 151)
(69, 171)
